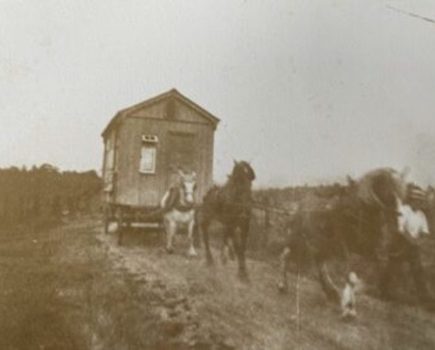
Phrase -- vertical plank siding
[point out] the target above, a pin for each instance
(138, 189)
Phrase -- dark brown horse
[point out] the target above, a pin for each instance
(363, 220)
(231, 206)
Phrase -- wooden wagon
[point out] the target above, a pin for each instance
(144, 145)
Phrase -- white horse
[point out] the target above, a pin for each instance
(178, 204)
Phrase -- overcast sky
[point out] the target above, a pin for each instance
(307, 90)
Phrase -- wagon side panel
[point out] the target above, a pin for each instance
(137, 188)
(184, 138)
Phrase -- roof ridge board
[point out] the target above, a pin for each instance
(176, 94)
(123, 112)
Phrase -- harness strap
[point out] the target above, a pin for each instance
(184, 208)
(175, 201)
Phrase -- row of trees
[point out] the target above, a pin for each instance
(44, 193)
(274, 208)
(285, 197)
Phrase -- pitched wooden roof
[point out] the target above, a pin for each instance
(173, 93)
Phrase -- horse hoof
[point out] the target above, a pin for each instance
(348, 318)
(170, 250)
(192, 253)
(348, 315)
(282, 288)
(243, 276)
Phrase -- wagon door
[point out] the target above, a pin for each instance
(181, 154)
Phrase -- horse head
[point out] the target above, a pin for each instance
(383, 192)
(188, 186)
(243, 172)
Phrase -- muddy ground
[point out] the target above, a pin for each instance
(74, 288)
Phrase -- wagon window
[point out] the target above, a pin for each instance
(148, 154)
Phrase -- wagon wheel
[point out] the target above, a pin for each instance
(107, 218)
(160, 227)
(120, 224)
(124, 219)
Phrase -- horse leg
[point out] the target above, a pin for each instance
(395, 250)
(284, 262)
(328, 286)
(388, 272)
(348, 296)
(231, 253)
(171, 228)
(191, 227)
(417, 272)
(204, 226)
(196, 235)
(240, 245)
(228, 243)
(245, 232)
(225, 248)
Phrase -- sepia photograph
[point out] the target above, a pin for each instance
(217, 175)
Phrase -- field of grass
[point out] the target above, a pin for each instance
(73, 287)
(33, 315)
(58, 292)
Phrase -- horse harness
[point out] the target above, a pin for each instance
(174, 200)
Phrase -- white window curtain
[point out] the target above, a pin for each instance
(148, 159)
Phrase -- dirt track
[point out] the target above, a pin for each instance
(138, 297)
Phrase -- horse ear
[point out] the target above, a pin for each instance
(180, 172)
(194, 174)
(235, 162)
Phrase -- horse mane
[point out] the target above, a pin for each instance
(237, 190)
(381, 188)
(239, 185)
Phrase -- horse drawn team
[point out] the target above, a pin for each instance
(377, 217)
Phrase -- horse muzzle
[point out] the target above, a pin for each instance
(189, 199)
